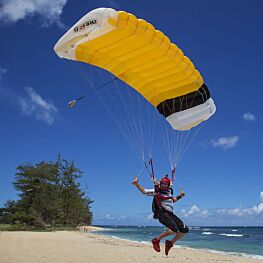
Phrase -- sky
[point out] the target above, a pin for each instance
(221, 172)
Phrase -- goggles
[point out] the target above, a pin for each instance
(164, 184)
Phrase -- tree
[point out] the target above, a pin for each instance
(50, 195)
(7, 212)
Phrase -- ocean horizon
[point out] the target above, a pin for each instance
(244, 241)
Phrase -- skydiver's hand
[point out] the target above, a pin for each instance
(135, 181)
(182, 193)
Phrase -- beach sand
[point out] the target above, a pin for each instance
(74, 247)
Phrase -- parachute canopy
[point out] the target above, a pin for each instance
(143, 57)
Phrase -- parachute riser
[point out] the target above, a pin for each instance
(151, 164)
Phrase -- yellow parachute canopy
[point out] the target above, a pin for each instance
(143, 57)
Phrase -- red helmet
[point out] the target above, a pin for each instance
(165, 182)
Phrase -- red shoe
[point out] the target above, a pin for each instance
(156, 244)
(168, 246)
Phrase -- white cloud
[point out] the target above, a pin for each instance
(251, 211)
(3, 71)
(223, 213)
(234, 212)
(196, 216)
(15, 10)
(109, 217)
(34, 105)
(194, 209)
(249, 117)
(225, 142)
(204, 213)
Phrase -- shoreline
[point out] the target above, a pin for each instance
(221, 252)
(80, 246)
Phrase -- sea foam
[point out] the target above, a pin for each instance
(208, 233)
(231, 235)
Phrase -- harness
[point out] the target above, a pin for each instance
(158, 198)
(157, 202)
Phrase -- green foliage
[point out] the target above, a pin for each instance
(49, 195)
(7, 212)
(5, 227)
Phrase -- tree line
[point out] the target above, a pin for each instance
(49, 194)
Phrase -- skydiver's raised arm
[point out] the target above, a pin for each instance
(149, 192)
(178, 197)
(139, 187)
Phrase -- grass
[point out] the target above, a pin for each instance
(5, 227)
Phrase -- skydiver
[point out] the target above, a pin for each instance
(162, 207)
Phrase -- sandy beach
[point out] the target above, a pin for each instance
(65, 247)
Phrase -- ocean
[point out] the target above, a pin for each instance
(240, 241)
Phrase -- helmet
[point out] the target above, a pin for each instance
(165, 182)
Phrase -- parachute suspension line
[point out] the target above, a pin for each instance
(144, 132)
(184, 139)
(140, 172)
(90, 83)
(186, 146)
(139, 127)
(107, 54)
(127, 132)
(196, 132)
(174, 179)
(147, 128)
(131, 129)
(173, 173)
(126, 128)
(140, 130)
(180, 136)
(165, 140)
(151, 164)
(175, 150)
(132, 135)
(80, 69)
(177, 142)
(190, 142)
(74, 67)
(135, 125)
(168, 138)
(136, 117)
(147, 168)
(176, 137)
(153, 126)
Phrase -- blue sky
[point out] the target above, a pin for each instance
(221, 172)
